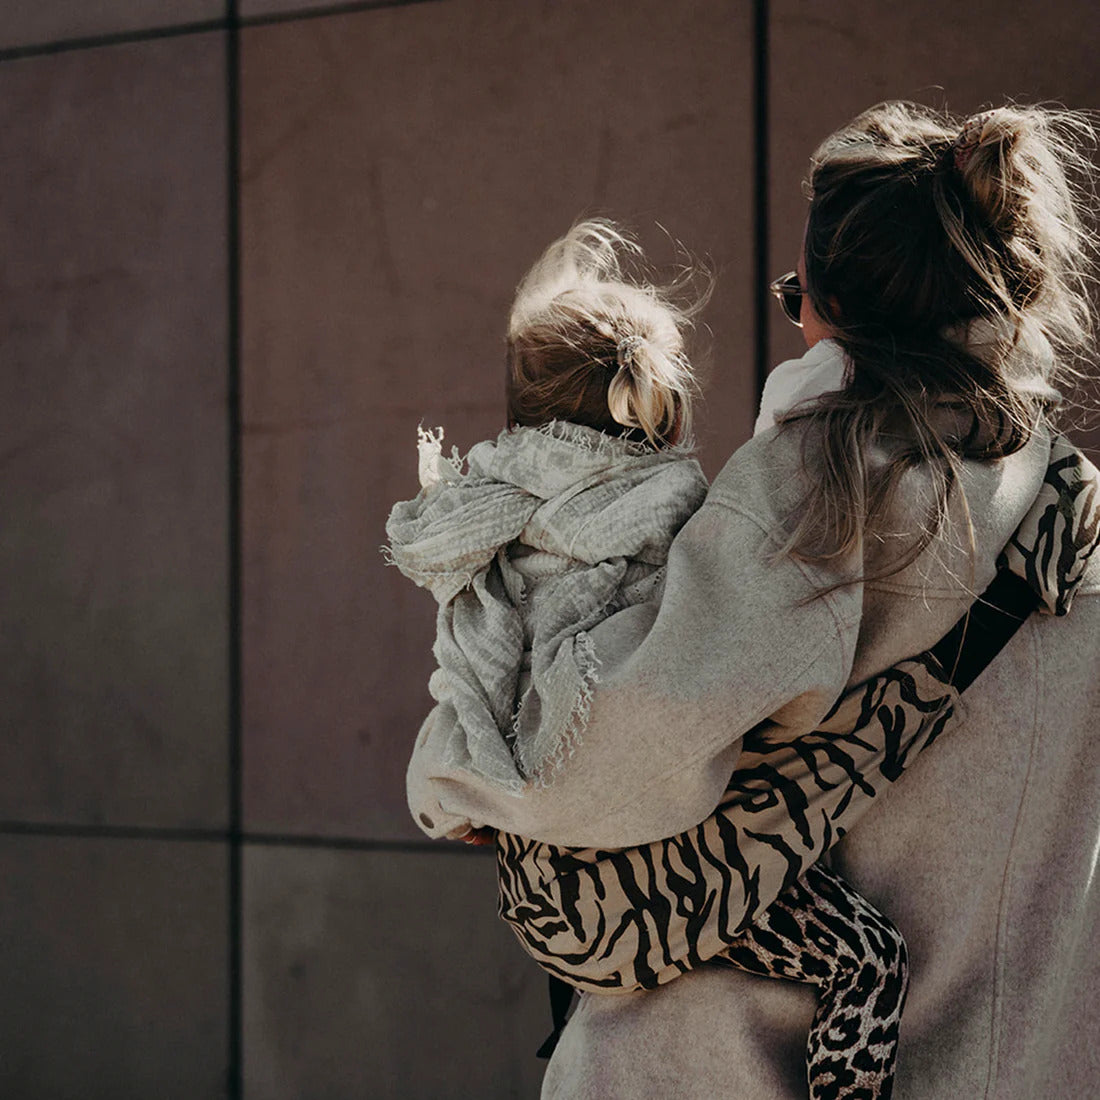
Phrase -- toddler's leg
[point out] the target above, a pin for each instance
(822, 932)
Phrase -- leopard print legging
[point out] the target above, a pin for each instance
(822, 932)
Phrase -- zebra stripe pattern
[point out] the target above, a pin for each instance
(632, 919)
(616, 921)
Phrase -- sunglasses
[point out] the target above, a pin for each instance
(789, 292)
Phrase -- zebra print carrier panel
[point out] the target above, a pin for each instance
(635, 918)
(617, 921)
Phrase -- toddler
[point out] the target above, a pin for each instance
(564, 519)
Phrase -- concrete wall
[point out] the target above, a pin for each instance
(243, 254)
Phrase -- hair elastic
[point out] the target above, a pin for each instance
(625, 349)
(969, 137)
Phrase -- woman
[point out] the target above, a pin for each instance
(944, 265)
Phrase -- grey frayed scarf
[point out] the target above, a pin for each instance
(547, 532)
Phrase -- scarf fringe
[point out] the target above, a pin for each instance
(432, 465)
(601, 444)
(541, 768)
(413, 573)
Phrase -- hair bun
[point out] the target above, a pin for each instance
(1001, 155)
(592, 339)
(969, 138)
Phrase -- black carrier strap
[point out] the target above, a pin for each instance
(972, 643)
(561, 997)
(963, 652)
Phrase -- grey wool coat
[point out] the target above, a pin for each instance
(984, 854)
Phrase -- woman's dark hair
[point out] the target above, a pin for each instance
(943, 254)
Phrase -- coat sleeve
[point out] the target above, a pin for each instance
(735, 639)
(635, 918)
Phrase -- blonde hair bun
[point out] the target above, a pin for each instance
(592, 339)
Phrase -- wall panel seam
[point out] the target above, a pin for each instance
(222, 836)
(205, 26)
(117, 38)
(234, 763)
(761, 296)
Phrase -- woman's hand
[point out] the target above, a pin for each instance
(479, 837)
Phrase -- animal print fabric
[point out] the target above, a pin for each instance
(616, 921)
(822, 932)
(740, 890)
(1052, 546)
(622, 920)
